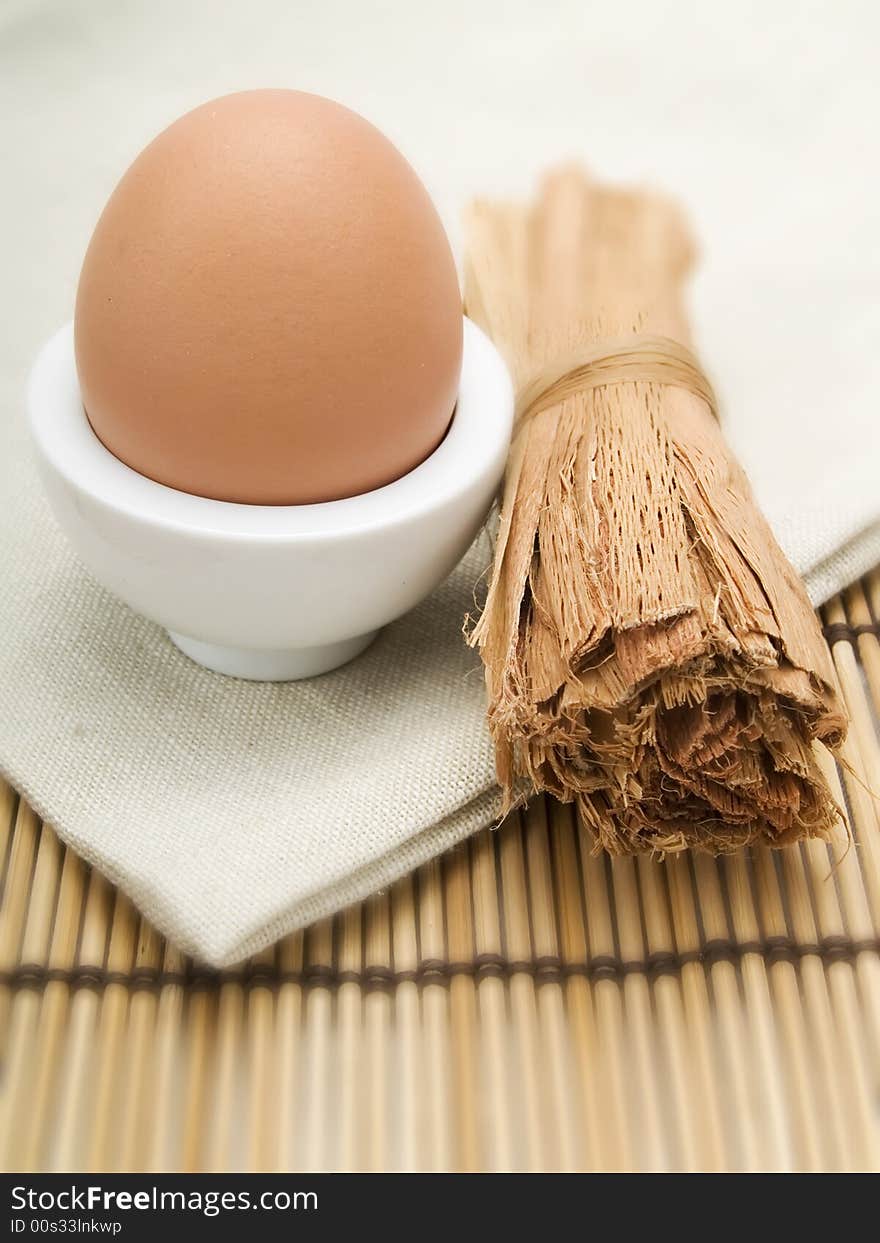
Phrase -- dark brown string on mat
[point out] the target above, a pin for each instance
(544, 968)
(652, 359)
(843, 632)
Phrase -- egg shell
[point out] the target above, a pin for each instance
(269, 310)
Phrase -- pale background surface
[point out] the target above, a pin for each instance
(763, 117)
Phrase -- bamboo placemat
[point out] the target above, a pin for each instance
(519, 1004)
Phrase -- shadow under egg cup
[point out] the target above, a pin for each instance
(271, 592)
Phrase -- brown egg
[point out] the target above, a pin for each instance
(269, 310)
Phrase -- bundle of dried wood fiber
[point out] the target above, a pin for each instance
(649, 652)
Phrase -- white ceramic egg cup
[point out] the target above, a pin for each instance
(271, 592)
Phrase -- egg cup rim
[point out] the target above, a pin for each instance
(66, 442)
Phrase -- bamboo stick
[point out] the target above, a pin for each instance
(859, 614)
(288, 1047)
(806, 1128)
(861, 1076)
(76, 1072)
(539, 1153)
(753, 1099)
(863, 726)
(53, 1014)
(200, 1025)
(41, 898)
(318, 1034)
(8, 804)
(113, 1012)
(408, 1052)
(860, 757)
(137, 1098)
(645, 1080)
(607, 996)
(435, 1020)
(692, 1093)
(550, 998)
(598, 1113)
(700, 1034)
(377, 1024)
(165, 1150)
(835, 870)
(840, 1081)
(872, 587)
(759, 1005)
(16, 893)
(223, 1085)
(871, 584)
(349, 1027)
(462, 1010)
(492, 998)
(261, 1130)
(856, 1001)
(25, 1003)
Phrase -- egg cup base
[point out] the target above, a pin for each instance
(273, 665)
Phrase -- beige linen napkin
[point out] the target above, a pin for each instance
(230, 811)
(233, 812)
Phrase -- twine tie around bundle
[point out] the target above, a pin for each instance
(652, 359)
